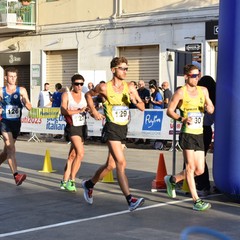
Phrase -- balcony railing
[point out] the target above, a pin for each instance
(14, 16)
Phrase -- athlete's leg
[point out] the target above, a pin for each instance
(68, 166)
(104, 169)
(116, 150)
(10, 150)
(194, 161)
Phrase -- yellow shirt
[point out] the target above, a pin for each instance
(193, 107)
(116, 107)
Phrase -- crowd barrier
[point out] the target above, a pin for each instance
(150, 124)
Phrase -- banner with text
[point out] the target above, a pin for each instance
(150, 124)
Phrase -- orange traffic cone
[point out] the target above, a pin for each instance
(47, 166)
(159, 183)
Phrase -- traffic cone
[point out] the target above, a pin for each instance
(159, 183)
(185, 187)
(108, 178)
(47, 166)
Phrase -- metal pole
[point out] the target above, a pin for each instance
(174, 121)
(176, 61)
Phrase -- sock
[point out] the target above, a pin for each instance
(172, 179)
(197, 200)
(15, 174)
(128, 198)
(89, 184)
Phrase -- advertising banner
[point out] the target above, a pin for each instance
(150, 124)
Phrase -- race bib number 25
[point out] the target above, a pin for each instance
(78, 119)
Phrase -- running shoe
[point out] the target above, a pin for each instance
(170, 187)
(19, 178)
(87, 193)
(135, 203)
(63, 185)
(200, 205)
(70, 186)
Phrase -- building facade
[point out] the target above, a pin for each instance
(62, 37)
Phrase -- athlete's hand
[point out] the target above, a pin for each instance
(188, 120)
(97, 115)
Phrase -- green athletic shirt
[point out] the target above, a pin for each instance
(194, 108)
(116, 106)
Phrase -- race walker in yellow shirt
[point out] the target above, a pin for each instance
(117, 95)
(193, 109)
(193, 101)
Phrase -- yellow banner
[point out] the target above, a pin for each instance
(44, 113)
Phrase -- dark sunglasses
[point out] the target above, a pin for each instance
(78, 83)
(193, 75)
(122, 68)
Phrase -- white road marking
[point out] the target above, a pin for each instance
(91, 218)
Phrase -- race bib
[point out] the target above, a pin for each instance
(197, 120)
(12, 112)
(78, 119)
(120, 114)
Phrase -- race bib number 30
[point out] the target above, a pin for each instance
(78, 119)
(12, 112)
(120, 114)
(197, 120)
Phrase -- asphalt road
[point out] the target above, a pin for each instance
(38, 209)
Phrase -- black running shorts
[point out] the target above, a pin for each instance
(115, 132)
(11, 126)
(70, 131)
(191, 141)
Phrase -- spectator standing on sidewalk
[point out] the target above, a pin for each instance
(73, 108)
(90, 86)
(57, 95)
(192, 101)
(143, 93)
(56, 101)
(202, 181)
(12, 99)
(134, 84)
(44, 98)
(156, 97)
(167, 94)
(117, 94)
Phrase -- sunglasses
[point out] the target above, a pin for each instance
(122, 68)
(78, 83)
(193, 75)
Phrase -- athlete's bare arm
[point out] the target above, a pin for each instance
(175, 100)
(100, 89)
(25, 99)
(209, 107)
(135, 99)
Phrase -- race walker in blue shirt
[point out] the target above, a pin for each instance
(12, 100)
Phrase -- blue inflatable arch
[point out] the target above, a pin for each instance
(226, 159)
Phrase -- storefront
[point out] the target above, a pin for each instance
(21, 61)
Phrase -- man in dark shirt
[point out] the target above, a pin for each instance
(143, 93)
(167, 94)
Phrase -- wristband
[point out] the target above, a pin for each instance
(180, 119)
